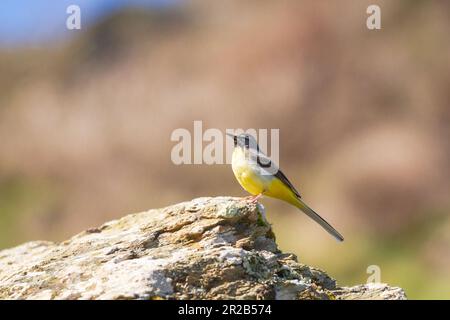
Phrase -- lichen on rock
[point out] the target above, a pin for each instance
(207, 248)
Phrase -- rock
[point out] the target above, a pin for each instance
(208, 248)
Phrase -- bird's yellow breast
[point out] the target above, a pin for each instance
(247, 173)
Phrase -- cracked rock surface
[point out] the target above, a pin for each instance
(207, 248)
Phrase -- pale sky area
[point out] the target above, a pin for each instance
(37, 22)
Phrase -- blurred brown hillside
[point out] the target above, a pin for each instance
(363, 115)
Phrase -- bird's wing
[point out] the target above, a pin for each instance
(265, 162)
(280, 175)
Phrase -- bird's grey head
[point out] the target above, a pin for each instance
(244, 140)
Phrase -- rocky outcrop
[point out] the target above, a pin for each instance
(207, 248)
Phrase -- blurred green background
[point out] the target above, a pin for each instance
(86, 118)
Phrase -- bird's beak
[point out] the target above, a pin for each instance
(230, 135)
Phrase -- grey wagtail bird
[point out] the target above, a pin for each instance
(250, 167)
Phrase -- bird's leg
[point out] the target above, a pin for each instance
(253, 199)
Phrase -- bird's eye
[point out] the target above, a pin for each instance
(247, 142)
